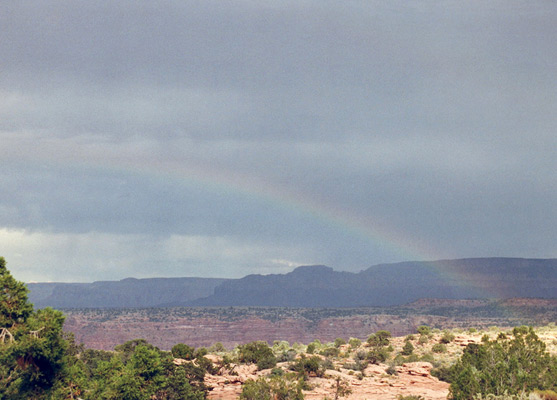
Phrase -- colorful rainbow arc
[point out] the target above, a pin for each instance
(283, 197)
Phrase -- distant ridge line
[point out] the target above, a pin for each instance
(319, 286)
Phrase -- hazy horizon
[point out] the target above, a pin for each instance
(220, 139)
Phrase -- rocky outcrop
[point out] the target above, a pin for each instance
(411, 379)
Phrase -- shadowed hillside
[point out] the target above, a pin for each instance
(130, 292)
(392, 284)
(319, 286)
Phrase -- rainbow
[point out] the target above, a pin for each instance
(375, 231)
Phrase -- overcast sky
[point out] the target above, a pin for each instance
(222, 138)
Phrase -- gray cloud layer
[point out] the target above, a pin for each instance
(219, 138)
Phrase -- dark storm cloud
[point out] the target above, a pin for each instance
(438, 118)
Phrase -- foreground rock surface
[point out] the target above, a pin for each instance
(411, 379)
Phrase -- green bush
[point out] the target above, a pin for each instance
(183, 351)
(407, 349)
(424, 330)
(330, 352)
(447, 337)
(200, 352)
(277, 372)
(276, 387)
(391, 370)
(379, 338)
(357, 365)
(289, 355)
(257, 353)
(339, 342)
(442, 373)
(504, 366)
(308, 366)
(427, 357)
(423, 339)
(439, 348)
(377, 356)
(266, 362)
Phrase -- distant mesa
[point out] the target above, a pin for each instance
(319, 286)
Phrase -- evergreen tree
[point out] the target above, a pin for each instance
(37, 357)
(504, 366)
(14, 308)
(408, 348)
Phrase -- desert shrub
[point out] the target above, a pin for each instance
(92, 357)
(307, 366)
(399, 359)
(257, 353)
(379, 338)
(354, 343)
(183, 351)
(407, 349)
(194, 373)
(178, 387)
(330, 352)
(442, 373)
(521, 396)
(289, 355)
(439, 348)
(311, 348)
(357, 365)
(281, 346)
(360, 355)
(423, 339)
(341, 387)
(427, 357)
(424, 330)
(391, 370)
(412, 358)
(447, 337)
(276, 387)
(472, 330)
(327, 364)
(277, 372)
(298, 347)
(127, 349)
(409, 337)
(409, 397)
(377, 356)
(504, 366)
(200, 352)
(339, 342)
(207, 365)
(266, 362)
(253, 351)
(217, 347)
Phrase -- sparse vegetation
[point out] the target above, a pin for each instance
(39, 361)
(276, 387)
(439, 348)
(408, 348)
(447, 337)
(379, 338)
